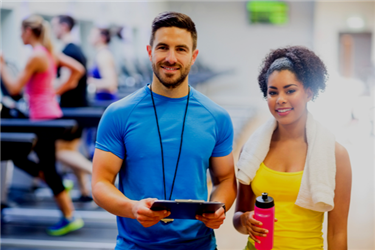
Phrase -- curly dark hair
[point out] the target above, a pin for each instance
(306, 65)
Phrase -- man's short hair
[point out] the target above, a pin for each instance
(174, 19)
(68, 20)
(106, 34)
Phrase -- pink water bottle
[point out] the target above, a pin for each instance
(264, 211)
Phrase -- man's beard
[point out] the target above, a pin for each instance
(170, 84)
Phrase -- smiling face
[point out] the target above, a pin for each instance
(172, 56)
(286, 97)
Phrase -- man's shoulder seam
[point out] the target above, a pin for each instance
(134, 106)
(141, 99)
(208, 110)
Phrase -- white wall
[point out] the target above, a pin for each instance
(227, 40)
(373, 34)
(337, 105)
(330, 19)
(137, 15)
(9, 29)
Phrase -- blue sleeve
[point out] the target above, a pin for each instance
(224, 142)
(110, 133)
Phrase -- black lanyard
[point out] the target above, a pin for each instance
(161, 143)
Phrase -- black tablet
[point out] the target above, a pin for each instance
(186, 209)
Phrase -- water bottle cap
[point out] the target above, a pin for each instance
(264, 201)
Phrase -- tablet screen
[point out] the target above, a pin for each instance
(186, 209)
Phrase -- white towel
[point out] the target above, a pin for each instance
(317, 188)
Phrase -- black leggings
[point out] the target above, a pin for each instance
(45, 149)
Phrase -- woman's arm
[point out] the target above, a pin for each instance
(244, 204)
(36, 63)
(243, 219)
(338, 217)
(76, 72)
(107, 71)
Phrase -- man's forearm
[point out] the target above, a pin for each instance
(107, 196)
(225, 191)
(71, 83)
(101, 84)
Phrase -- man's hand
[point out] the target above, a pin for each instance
(213, 220)
(144, 215)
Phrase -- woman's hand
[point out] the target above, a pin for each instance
(253, 226)
(2, 61)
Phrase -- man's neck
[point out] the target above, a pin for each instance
(67, 38)
(178, 92)
(101, 46)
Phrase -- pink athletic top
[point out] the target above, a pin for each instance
(41, 94)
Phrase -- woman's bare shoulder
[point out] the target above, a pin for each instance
(340, 150)
(38, 56)
(105, 56)
(342, 157)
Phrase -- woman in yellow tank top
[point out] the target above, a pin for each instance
(289, 79)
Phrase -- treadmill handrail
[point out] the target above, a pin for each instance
(69, 124)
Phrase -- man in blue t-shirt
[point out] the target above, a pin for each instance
(161, 140)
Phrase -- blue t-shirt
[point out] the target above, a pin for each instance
(128, 129)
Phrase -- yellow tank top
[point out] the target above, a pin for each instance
(297, 227)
